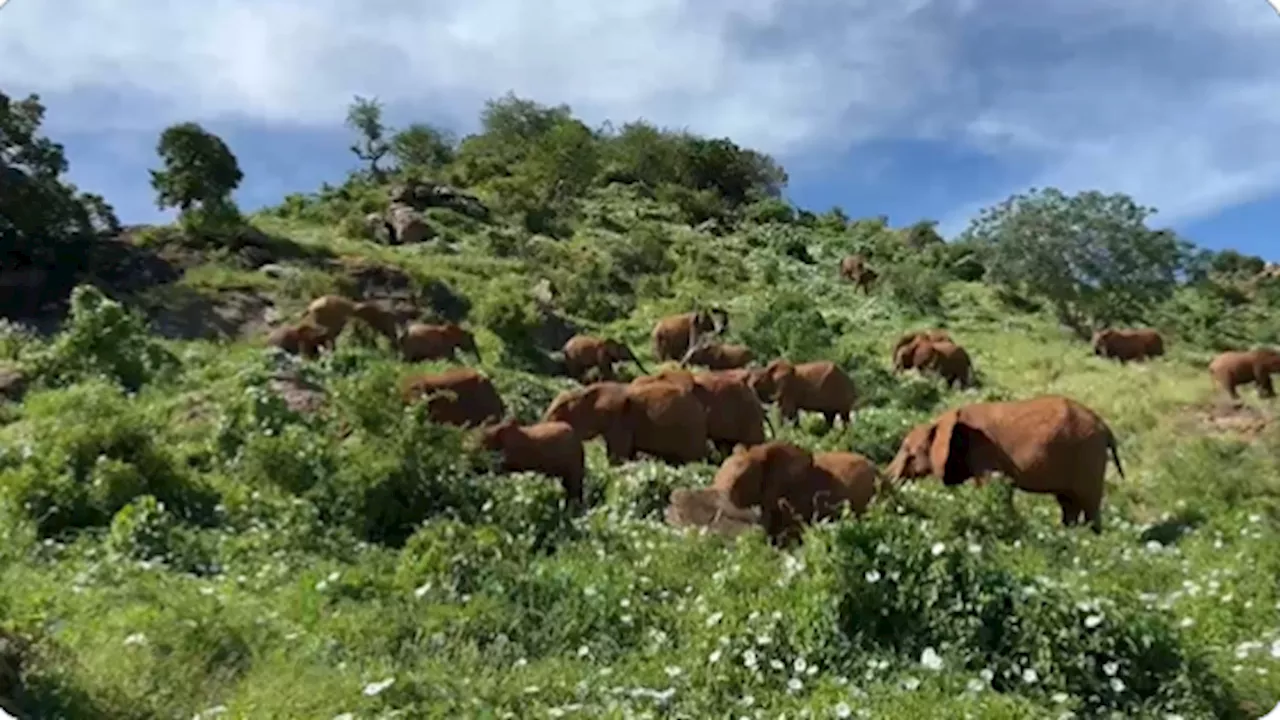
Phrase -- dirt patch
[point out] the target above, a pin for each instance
(180, 313)
(1228, 418)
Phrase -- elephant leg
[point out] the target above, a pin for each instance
(1093, 516)
(1265, 389)
(830, 418)
(845, 416)
(1070, 511)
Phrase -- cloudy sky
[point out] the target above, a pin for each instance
(911, 108)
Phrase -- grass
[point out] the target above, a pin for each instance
(266, 582)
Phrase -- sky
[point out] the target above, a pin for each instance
(911, 109)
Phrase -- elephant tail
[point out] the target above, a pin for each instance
(1115, 454)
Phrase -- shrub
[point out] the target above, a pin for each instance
(789, 326)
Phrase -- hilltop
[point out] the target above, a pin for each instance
(194, 526)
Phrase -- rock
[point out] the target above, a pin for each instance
(13, 383)
(421, 195)
(377, 226)
(299, 395)
(408, 226)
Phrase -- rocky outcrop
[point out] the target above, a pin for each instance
(422, 195)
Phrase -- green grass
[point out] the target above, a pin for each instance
(272, 580)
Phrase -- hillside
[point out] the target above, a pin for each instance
(197, 526)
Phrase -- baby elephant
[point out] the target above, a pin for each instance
(421, 341)
(794, 487)
(304, 339)
(943, 357)
(550, 448)
(1234, 368)
(1049, 444)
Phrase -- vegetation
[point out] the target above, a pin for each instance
(181, 539)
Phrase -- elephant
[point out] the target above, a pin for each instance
(383, 321)
(1126, 345)
(1049, 444)
(708, 508)
(421, 341)
(585, 352)
(1233, 368)
(459, 396)
(854, 268)
(718, 356)
(935, 334)
(332, 313)
(661, 419)
(819, 386)
(550, 448)
(794, 487)
(733, 410)
(302, 338)
(944, 357)
(672, 335)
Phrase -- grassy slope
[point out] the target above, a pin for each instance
(626, 617)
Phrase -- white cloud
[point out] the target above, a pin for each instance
(1171, 100)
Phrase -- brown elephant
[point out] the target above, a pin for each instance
(382, 320)
(708, 508)
(1126, 345)
(1233, 368)
(1048, 444)
(550, 448)
(935, 334)
(733, 410)
(718, 356)
(854, 268)
(794, 487)
(672, 335)
(661, 419)
(583, 353)
(819, 386)
(421, 341)
(948, 360)
(332, 313)
(304, 339)
(459, 396)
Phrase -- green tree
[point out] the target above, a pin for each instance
(1090, 255)
(200, 173)
(421, 148)
(364, 115)
(921, 235)
(44, 220)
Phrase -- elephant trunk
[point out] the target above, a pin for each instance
(631, 355)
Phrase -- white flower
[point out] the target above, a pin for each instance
(714, 657)
(673, 671)
(1117, 685)
(714, 618)
(1093, 621)
(1030, 675)
(938, 549)
(1275, 649)
(873, 576)
(931, 660)
(749, 658)
(136, 639)
(975, 548)
(1060, 697)
(1110, 668)
(800, 664)
(376, 688)
(911, 683)
(975, 685)
(842, 710)
(583, 651)
(794, 684)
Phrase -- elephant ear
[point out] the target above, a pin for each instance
(948, 455)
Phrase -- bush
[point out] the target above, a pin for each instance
(789, 326)
(103, 338)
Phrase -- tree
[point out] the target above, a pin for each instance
(45, 221)
(364, 115)
(1091, 255)
(921, 235)
(422, 148)
(199, 175)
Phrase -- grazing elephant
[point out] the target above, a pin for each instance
(854, 268)
(332, 313)
(659, 418)
(383, 321)
(794, 487)
(1048, 444)
(819, 386)
(673, 335)
(733, 410)
(550, 448)
(584, 352)
(907, 339)
(1126, 345)
(708, 508)
(459, 396)
(943, 357)
(421, 341)
(302, 338)
(1233, 368)
(718, 356)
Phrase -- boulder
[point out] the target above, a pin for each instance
(408, 226)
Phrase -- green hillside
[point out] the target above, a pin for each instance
(194, 526)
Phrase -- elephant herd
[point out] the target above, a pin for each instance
(1048, 444)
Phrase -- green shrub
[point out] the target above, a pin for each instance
(789, 326)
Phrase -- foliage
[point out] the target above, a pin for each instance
(45, 221)
(364, 116)
(421, 149)
(198, 176)
(1091, 255)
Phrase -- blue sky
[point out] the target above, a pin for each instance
(912, 108)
